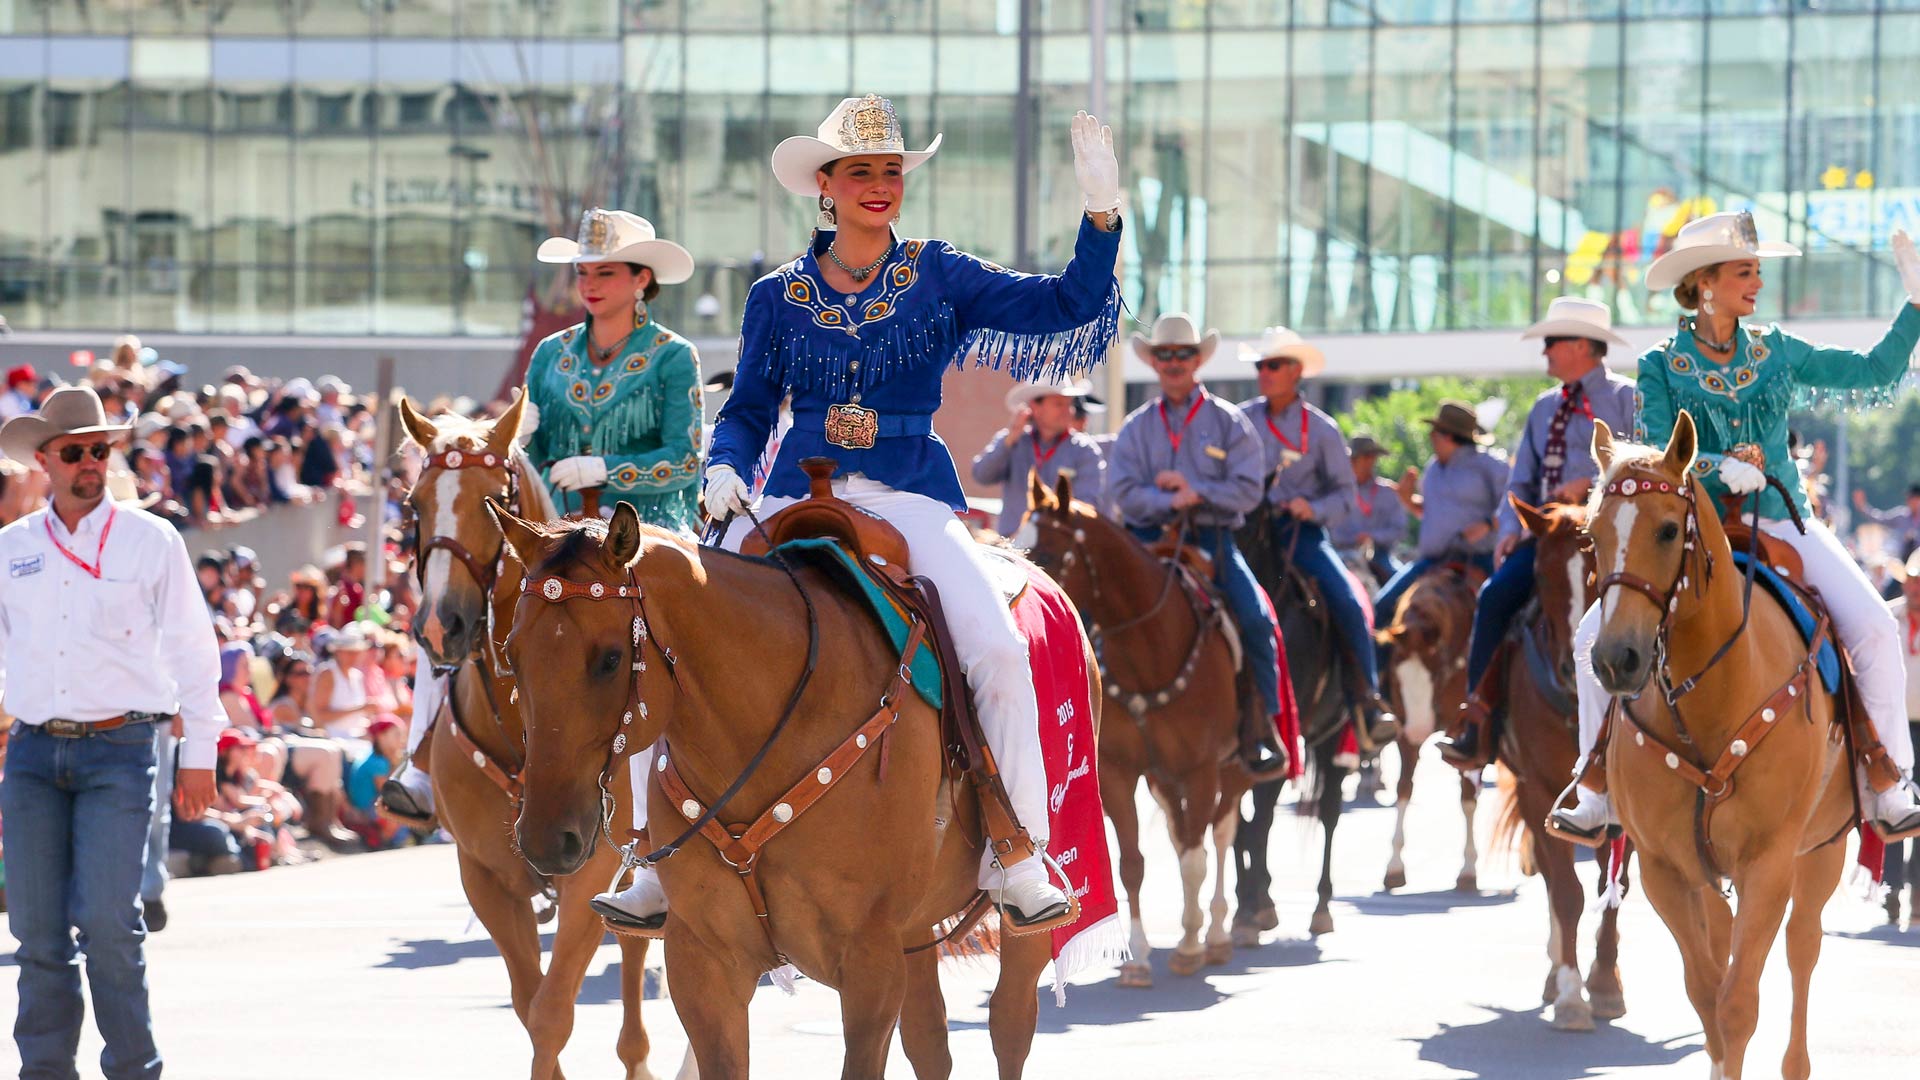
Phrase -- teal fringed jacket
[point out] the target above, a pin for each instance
(1747, 399)
(641, 412)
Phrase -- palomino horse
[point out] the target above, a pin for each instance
(1171, 713)
(1428, 677)
(1321, 672)
(1746, 778)
(476, 747)
(630, 634)
(1537, 748)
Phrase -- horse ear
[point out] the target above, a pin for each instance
(521, 537)
(1063, 488)
(623, 536)
(1684, 446)
(1603, 445)
(507, 428)
(1038, 497)
(1535, 521)
(419, 428)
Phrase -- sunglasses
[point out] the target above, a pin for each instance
(1175, 352)
(72, 453)
(1274, 363)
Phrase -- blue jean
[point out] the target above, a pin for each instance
(1903, 856)
(1235, 579)
(153, 879)
(77, 814)
(1313, 554)
(1501, 598)
(1389, 597)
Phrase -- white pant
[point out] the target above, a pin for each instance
(429, 690)
(989, 646)
(1861, 620)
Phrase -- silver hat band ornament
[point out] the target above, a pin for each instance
(596, 232)
(872, 127)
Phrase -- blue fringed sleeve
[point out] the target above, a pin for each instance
(1037, 326)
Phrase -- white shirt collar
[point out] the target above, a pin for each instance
(92, 523)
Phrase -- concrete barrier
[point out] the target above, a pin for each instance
(284, 537)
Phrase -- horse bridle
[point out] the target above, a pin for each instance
(484, 575)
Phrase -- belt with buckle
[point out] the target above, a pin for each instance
(80, 729)
(855, 427)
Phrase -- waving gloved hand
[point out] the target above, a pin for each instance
(1094, 164)
(1740, 477)
(726, 493)
(576, 473)
(1908, 260)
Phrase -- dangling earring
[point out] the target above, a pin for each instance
(826, 222)
(1706, 301)
(639, 311)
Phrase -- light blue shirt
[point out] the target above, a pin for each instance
(1011, 458)
(1316, 469)
(1456, 494)
(1606, 396)
(1218, 454)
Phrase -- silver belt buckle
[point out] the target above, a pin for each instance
(852, 427)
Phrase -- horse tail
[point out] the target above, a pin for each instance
(1510, 834)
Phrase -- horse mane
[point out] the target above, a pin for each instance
(582, 537)
(456, 432)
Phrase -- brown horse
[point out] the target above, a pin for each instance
(1428, 678)
(709, 660)
(1744, 777)
(1537, 749)
(462, 596)
(1171, 713)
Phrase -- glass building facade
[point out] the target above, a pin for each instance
(387, 167)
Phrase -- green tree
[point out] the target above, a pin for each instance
(1398, 419)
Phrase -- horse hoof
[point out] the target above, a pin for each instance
(1573, 1016)
(1609, 1006)
(1322, 923)
(1221, 952)
(1245, 936)
(1136, 976)
(1395, 879)
(1267, 918)
(1467, 883)
(1185, 964)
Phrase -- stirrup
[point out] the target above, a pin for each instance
(1893, 832)
(397, 805)
(1476, 718)
(619, 922)
(1019, 924)
(1572, 834)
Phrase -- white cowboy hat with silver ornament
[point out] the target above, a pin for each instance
(858, 125)
(617, 236)
(1026, 393)
(1173, 329)
(1278, 342)
(1575, 316)
(1716, 238)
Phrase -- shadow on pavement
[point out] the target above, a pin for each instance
(1427, 903)
(1886, 935)
(1519, 1045)
(434, 952)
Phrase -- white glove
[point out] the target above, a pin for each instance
(726, 493)
(1908, 260)
(529, 423)
(1094, 164)
(575, 473)
(1740, 477)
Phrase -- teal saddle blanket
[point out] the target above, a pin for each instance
(838, 563)
(1803, 617)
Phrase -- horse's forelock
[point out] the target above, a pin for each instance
(455, 432)
(1626, 458)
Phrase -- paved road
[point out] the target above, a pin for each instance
(369, 966)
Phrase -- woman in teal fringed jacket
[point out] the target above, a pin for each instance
(619, 394)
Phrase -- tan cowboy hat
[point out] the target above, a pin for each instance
(1025, 393)
(617, 236)
(1364, 445)
(1716, 238)
(70, 410)
(1175, 328)
(1575, 316)
(1278, 342)
(862, 125)
(1457, 418)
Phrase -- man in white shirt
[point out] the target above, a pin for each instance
(103, 638)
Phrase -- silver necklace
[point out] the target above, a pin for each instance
(1693, 327)
(859, 274)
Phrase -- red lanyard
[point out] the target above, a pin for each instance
(1300, 449)
(1039, 458)
(1365, 502)
(93, 568)
(1193, 409)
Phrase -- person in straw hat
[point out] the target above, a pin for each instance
(1739, 382)
(1186, 452)
(1309, 489)
(859, 331)
(1377, 519)
(1553, 463)
(1041, 442)
(104, 640)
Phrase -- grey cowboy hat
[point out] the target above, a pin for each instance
(70, 410)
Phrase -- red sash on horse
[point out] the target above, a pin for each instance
(1286, 722)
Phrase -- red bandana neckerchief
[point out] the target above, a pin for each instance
(91, 568)
(1040, 458)
(1173, 436)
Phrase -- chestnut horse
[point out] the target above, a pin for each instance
(1174, 662)
(713, 646)
(468, 462)
(1428, 677)
(1537, 748)
(1321, 672)
(1745, 777)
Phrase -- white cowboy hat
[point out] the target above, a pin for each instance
(1716, 238)
(70, 410)
(862, 125)
(1029, 392)
(1175, 328)
(1278, 341)
(617, 236)
(1573, 316)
